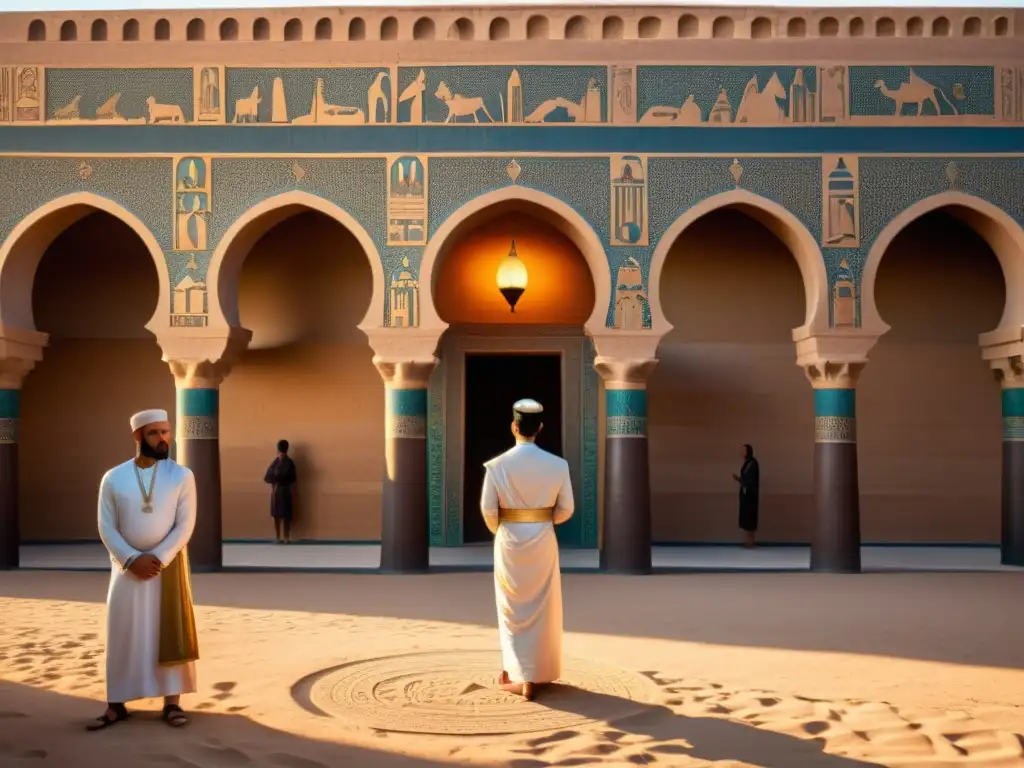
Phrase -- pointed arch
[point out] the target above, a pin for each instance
(999, 229)
(21, 252)
(560, 214)
(783, 224)
(247, 229)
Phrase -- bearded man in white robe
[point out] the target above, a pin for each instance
(527, 492)
(147, 512)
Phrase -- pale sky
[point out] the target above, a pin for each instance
(142, 5)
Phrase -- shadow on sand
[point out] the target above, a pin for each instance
(42, 728)
(706, 738)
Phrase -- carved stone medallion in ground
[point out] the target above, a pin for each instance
(455, 693)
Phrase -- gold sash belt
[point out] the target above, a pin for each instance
(179, 643)
(542, 515)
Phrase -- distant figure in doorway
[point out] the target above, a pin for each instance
(281, 476)
(527, 492)
(749, 479)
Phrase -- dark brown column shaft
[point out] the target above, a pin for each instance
(10, 537)
(405, 542)
(626, 535)
(1012, 544)
(835, 546)
(199, 450)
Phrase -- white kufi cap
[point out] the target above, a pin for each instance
(528, 406)
(142, 418)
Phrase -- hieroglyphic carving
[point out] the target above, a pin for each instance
(840, 190)
(407, 201)
(192, 203)
(629, 210)
(209, 94)
(623, 105)
(21, 94)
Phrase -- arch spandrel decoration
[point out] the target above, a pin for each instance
(1003, 233)
(26, 243)
(236, 241)
(893, 191)
(783, 193)
(353, 191)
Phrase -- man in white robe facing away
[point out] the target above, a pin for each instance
(147, 512)
(526, 493)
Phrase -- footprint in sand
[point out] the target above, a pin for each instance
(294, 761)
(237, 709)
(70, 644)
(12, 715)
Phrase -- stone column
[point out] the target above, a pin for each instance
(19, 352)
(405, 541)
(835, 543)
(1010, 374)
(200, 360)
(626, 530)
(10, 536)
(197, 437)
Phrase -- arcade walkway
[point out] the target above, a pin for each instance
(364, 557)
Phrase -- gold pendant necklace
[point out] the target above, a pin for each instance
(147, 498)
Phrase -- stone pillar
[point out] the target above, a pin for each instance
(835, 543)
(1010, 375)
(10, 537)
(200, 360)
(405, 540)
(626, 530)
(19, 352)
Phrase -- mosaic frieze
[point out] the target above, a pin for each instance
(513, 95)
(309, 96)
(143, 96)
(776, 94)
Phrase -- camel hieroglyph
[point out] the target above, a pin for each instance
(915, 91)
(461, 106)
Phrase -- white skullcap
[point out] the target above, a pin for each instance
(528, 406)
(142, 418)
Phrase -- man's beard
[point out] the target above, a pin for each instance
(161, 452)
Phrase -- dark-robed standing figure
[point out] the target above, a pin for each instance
(749, 479)
(281, 476)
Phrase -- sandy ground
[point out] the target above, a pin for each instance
(771, 670)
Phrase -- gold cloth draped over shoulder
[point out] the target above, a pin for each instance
(179, 642)
(541, 515)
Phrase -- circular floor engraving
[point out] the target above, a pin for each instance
(454, 693)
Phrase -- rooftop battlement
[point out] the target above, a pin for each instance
(580, 24)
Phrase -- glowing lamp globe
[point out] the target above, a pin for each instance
(512, 277)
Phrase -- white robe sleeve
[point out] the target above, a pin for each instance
(184, 522)
(564, 504)
(119, 549)
(489, 501)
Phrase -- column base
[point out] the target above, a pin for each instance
(835, 547)
(405, 540)
(10, 537)
(205, 549)
(1012, 543)
(626, 539)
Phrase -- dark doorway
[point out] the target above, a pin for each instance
(493, 384)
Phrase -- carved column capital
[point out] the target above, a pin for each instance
(625, 373)
(20, 350)
(834, 360)
(1009, 371)
(828, 374)
(405, 374)
(202, 360)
